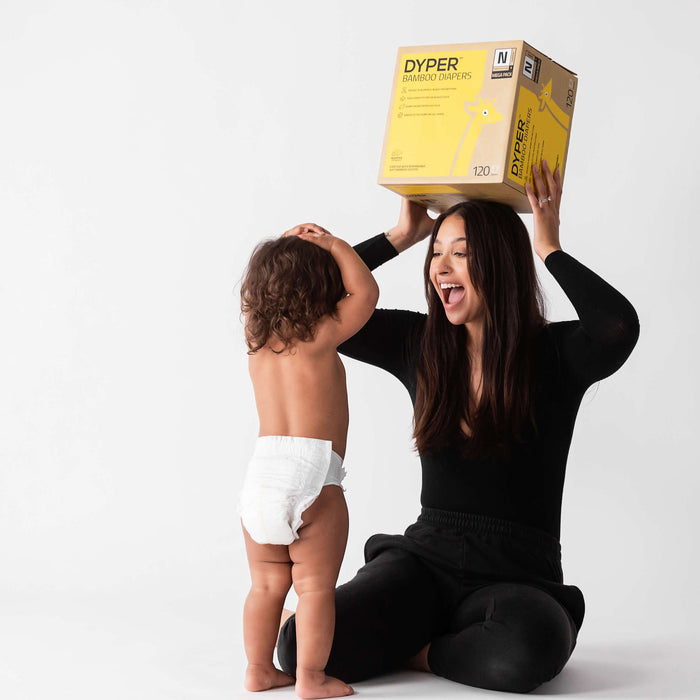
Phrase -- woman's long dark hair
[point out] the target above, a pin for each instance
(502, 270)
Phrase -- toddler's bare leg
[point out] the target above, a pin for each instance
(271, 577)
(317, 556)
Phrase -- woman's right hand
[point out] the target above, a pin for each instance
(413, 226)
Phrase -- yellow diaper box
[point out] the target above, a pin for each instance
(467, 121)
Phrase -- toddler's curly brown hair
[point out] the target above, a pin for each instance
(288, 286)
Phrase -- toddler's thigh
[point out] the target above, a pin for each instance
(318, 553)
(270, 565)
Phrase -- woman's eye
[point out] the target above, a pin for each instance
(461, 255)
(436, 254)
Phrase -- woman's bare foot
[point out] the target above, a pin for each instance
(419, 662)
(265, 677)
(316, 684)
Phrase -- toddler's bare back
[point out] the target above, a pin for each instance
(301, 392)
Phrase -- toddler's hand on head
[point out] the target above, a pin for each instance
(322, 240)
(313, 233)
(305, 228)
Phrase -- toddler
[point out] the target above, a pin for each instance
(303, 295)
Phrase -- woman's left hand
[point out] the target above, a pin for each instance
(545, 201)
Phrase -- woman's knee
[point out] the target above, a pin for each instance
(516, 667)
(507, 637)
(520, 668)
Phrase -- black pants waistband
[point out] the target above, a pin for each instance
(486, 524)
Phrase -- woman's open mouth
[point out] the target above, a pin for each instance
(451, 293)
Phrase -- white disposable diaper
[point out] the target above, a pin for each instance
(285, 476)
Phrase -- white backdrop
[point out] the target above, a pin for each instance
(145, 147)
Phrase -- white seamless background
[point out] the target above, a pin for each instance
(145, 148)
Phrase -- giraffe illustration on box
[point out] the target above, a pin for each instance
(546, 102)
(482, 113)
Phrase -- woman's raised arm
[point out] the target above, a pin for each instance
(414, 225)
(608, 326)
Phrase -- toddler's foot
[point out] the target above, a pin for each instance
(265, 677)
(319, 685)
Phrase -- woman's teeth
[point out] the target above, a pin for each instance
(452, 292)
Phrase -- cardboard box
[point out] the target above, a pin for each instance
(467, 121)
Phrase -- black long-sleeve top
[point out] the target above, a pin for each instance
(525, 487)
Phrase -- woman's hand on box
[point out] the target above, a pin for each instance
(413, 226)
(545, 200)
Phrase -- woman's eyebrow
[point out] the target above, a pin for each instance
(454, 240)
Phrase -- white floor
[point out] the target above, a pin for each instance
(135, 647)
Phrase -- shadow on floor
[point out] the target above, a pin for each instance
(640, 669)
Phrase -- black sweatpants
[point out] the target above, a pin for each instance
(486, 594)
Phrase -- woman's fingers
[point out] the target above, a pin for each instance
(554, 188)
(544, 199)
(534, 204)
(540, 186)
(557, 179)
(547, 190)
(550, 182)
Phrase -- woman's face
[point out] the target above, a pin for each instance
(449, 273)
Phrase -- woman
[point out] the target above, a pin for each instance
(473, 591)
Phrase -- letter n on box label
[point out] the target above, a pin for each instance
(503, 62)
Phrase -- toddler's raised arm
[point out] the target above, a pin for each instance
(354, 310)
